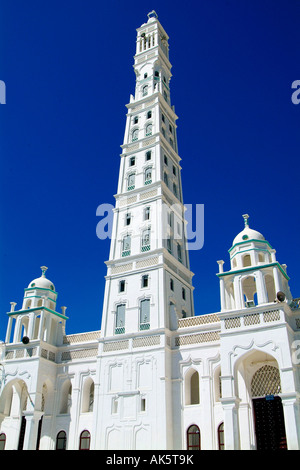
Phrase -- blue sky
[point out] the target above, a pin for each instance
(68, 72)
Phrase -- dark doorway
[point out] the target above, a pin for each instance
(269, 423)
(22, 433)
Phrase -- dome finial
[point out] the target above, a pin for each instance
(246, 217)
(44, 269)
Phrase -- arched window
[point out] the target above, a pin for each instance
(145, 90)
(66, 398)
(85, 440)
(193, 438)
(135, 135)
(192, 395)
(2, 441)
(61, 441)
(126, 245)
(148, 175)
(120, 319)
(221, 441)
(146, 240)
(88, 396)
(265, 381)
(149, 129)
(145, 314)
(131, 182)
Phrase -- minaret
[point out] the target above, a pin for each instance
(148, 282)
(256, 277)
(38, 319)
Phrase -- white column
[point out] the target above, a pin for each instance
(32, 423)
(41, 325)
(8, 331)
(222, 294)
(262, 297)
(290, 403)
(277, 281)
(239, 303)
(31, 325)
(231, 423)
(17, 330)
(222, 286)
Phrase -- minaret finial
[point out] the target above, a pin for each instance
(44, 269)
(246, 217)
(152, 14)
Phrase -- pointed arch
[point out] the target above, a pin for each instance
(191, 385)
(88, 395)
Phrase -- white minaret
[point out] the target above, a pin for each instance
(149, 282)
(256, 277)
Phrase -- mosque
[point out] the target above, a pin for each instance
(156, 376)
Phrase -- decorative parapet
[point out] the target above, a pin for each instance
(198, 320)
(81, 337)
(256, 317)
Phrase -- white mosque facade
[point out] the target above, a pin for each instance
(156, 376)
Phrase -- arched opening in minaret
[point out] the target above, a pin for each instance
(270, 286)
(246, 260)
(249, 291)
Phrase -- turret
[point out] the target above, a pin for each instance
(37, 319)
(255, 276)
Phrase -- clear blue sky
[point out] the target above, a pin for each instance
(68, 70)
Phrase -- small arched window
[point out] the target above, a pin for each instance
(85, 440)
(192, 395)
(149, 129)
(193, 438)
(145, 315)
(148, 175)
(221, 437)
(120, 319)
(146, 240)
(126, 245)
(131, 182)
(135, 135)
(61, 441)
(145, 90)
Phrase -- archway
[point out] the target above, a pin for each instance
(267, 408)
